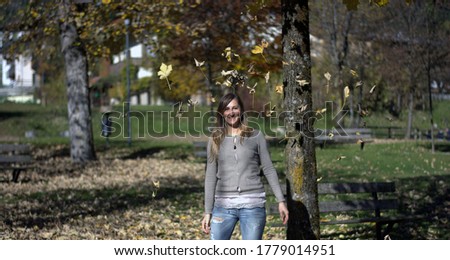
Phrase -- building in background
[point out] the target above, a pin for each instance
(18, 79)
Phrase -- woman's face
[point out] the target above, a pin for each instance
(232, 114)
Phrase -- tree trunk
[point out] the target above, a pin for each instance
(339, 54)
(300, 157)
(79, 111)
(410, 113)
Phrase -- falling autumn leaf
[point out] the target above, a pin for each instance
(228, 53)
(192, 102)
(354, 73)
(199, 64)
(279, 89)
(346, 92)
(178, 115)
(164, 72)
(302, 108)
(267, 77)
(346, 95)
(381, 2)
(302, 82)
(257, 50)
(270, 111)
(328, 77)
(321, 111)
(372, 89)
(227, 73)
(252, 89)
(359, 84)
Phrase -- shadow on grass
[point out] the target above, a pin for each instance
(48, 209)
(11, 114)
(440, 145)
(177, 153)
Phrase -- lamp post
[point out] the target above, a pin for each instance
(127, 50)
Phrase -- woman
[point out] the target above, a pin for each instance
(233, 187)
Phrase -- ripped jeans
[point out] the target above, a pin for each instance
(252, 223)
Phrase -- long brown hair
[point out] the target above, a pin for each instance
(219, 133)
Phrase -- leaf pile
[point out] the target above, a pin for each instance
(112, 198)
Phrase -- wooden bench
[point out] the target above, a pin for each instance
(373, 202)
(348, 135)
(200, 150)
(15, 157)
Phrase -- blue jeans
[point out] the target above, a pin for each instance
(252, 223)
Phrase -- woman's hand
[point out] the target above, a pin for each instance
(206, 223)
(284, 213)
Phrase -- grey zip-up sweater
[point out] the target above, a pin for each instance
(237, 169)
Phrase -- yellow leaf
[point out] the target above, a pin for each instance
(164, 71)
(354, 73)
(380, 3)
(267, 77)
(279, 89)
(106, 2)
(227, 54)
(257, 49)
(346, 92)
(327, 76)
(372, 89)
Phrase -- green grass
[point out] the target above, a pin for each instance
(377, 162)
(48, 123)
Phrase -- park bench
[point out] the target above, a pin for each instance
(342, 136)
(357, 203)
(200, 150)
(15, 157)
